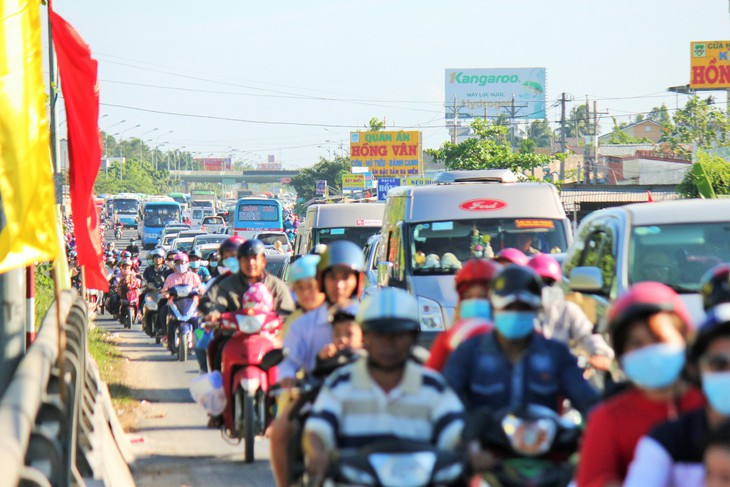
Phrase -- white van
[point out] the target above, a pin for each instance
(326, 223)
(429, 231)
(197, 214)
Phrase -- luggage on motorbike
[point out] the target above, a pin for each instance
(207, 391)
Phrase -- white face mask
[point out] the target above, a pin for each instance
(181, 268)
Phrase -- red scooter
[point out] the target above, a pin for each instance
(246, 376)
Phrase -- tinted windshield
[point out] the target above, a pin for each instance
(270, 238)
(213, 220)
(677, 255)
(359, 235)
(159, 216)
(441, 247)
(184, 246)
(208, 239)
(126, 206)
(258, 213)
(275, 268)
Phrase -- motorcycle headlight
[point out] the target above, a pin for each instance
(250, 324)
(529, 438)
(429, 311)
(449, 474)
(183, 291)
(356, 476)
(403, 469)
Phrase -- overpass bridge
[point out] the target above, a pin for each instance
(234, 177)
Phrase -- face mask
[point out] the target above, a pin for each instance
(514, 325)
(231, 264)
(195, 264)
(214, 264)
(475, 308)
(181, 268)
(655, 366)
(716, 386)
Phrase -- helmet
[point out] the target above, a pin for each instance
(171, 254)
(125, 262)
(196, 253)
(258, 299)
(157, 253)
(389, 309)
(715, 325)
(182, 257)
(251, 248)
(475, 272)
(346, 312)
(516, 284)
(547, 267)
(510, 255)
(715, 286)
(304, 268)
(213, 256)
(641, 300)
(231, 243)
(341, 253)
(131, 240)
(126, 255)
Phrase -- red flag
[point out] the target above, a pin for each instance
(650, 198)
(81, 95)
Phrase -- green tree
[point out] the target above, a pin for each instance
(717, 171)
(305, 183)
(699, 123)
(376, 125)
(488, 149)
(660, 114)
(577, 122)
(619, 137)
(539, 132)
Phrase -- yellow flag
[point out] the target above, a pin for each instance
(27, 190)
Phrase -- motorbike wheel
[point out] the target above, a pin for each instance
(249, 426)
(182, 348)
(129, 318)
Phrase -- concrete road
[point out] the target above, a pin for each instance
(171, 441)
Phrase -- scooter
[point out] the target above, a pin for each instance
(246, 376)
(118, 231)
(128, 305)
(152, 298)
(112, 297)
(183, 319)
(533, 445)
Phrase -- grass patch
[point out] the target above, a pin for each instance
(111, 367)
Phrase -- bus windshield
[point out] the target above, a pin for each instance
(125, 205)
(157, 216)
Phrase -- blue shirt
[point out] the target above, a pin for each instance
(204, 273)
(307, 335)
(480, 372)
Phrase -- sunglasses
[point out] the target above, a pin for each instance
(716, 362)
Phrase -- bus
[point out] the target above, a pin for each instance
(126, 206)
(181, 198)
(254, 215)
(155, 216)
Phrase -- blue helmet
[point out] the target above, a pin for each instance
(304, 268)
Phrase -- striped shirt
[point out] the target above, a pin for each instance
(352, 411)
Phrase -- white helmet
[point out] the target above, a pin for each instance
(389, 309)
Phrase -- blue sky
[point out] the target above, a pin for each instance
(325, 67)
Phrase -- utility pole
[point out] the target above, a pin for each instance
(453, 135)
(513, 109)
(562, 135)
(594, 142)
(587, 148)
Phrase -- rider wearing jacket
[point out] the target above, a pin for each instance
(515, 365)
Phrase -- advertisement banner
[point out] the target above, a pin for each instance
(215, 163)
(321, 186)
(387, 153)
(384, 185)
(476, 93)
(418, 181)
(353, 182)
(709, 65)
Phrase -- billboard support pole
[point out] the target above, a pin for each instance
(453, 136)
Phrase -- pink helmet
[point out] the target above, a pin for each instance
(511, 256)
(257, 299)
(182, 257)
(546, 267)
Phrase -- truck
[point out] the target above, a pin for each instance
(202, 198)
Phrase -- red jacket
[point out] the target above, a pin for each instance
(447, 341)
(615, 427)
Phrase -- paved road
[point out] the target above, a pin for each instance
(172, 444)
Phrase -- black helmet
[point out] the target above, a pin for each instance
(516, 284)
(715, 286)
(346, 312)
(342, 253)
(196, 253)
(231, 243)
(171, 254)
(715, 325)
(213, 256)
(251, 248)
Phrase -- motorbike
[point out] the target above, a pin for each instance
(112, 298)
(182, 319)
(128, 304)
(533, 444)
(152, 298)
(246, 376)
(397, 462)
(118, 231)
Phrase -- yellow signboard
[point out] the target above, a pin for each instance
(353, 182)
(710, 65)
(387, 152)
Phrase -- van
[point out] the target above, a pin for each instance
(429, 231)
(198, 213)
(326, 223)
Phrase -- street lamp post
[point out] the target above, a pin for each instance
(154, 162)
(121, 145)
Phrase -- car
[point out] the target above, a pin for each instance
(183, 244)
(268, 238)
(277, 264)
(191, 233)
(174, 228)
(207, 249)
(213, 224)
(370, 252)
(198, 213)
(673, 242)
(209, 239)
(166, 242)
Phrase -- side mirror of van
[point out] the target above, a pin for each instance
(385, 271)
(587, 279)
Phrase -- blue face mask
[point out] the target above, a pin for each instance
(214, 264)
(195, 264)
(231, 263)
(716, 386)
(655, 366)
(475, 308)
(514, 325)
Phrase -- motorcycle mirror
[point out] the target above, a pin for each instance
(271, 359)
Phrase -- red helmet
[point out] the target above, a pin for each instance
(511, 256)
(641, 300)
(475, 272)
(547, 267)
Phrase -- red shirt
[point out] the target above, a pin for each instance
(447, 341)
(615, 427)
